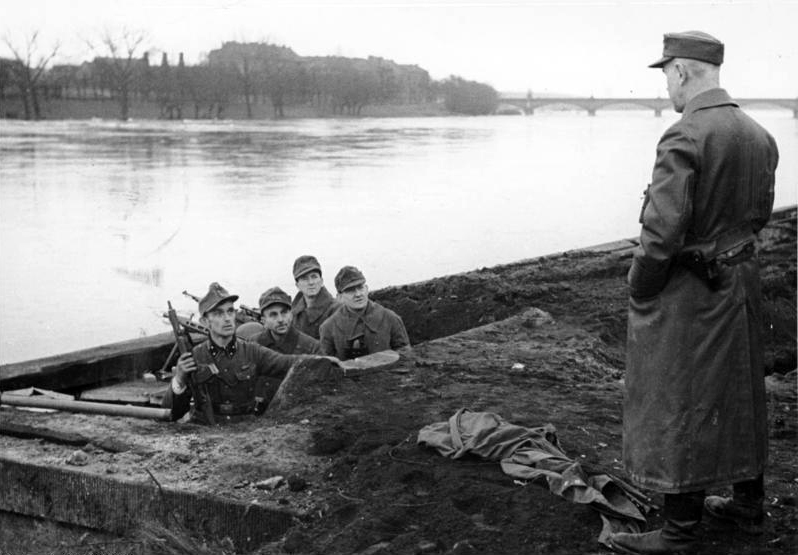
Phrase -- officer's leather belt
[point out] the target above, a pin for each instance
(709, 269)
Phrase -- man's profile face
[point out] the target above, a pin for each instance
(310, 284)
(277, 318)
(221, 320)
(356, 297)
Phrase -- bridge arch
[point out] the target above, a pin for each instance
(658, 105)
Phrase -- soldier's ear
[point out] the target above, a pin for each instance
(682, 71)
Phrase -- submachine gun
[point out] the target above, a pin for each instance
(250, 312)
(183, 344)
(245, 313)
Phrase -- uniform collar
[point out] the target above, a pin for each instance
(281, 341)
(323, 300)
(229, 350)
(709, 99)
(371, 316)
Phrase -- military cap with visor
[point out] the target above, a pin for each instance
(695, 45)
(305, 264)
(275, 295)
(348, 277)
(215, 296)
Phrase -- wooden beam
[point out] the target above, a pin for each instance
(96, 365)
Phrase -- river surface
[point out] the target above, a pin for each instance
(102, 222)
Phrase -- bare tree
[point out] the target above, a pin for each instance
(31, 62)
(121, 63)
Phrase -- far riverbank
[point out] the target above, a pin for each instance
(79, 109)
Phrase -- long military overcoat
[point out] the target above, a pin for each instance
(382, 329)
(694, 406)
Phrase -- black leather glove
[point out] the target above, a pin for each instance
(647, 277)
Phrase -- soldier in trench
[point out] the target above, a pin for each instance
(360, 326)
(221, 372)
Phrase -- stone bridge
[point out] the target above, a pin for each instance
(529, 104)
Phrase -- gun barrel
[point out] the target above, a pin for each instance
(249, 311)
(190, 296)
(190, 325)
(181, 339)
(85, 407)
(183, 342)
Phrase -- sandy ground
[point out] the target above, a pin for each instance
(537, 342)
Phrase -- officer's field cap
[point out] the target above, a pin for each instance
(275, 295)
(347, 277)
(696, 45)
(305, 264)
(215, 296)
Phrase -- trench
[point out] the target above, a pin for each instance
(586, 288)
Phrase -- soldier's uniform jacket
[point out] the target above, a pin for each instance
(694, 410)
(308, 319)
(376, 329)
(294, 342)
(228, 375)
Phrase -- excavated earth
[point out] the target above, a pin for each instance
(539, 341)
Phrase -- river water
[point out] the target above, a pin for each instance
(102, 222)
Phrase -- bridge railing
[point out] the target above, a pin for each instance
(658, 105)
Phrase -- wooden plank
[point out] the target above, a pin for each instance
(85, 356)
(94, 366)
(370, 363)
(28, 391)
(23, 431)
(137, 392)
(61, 437)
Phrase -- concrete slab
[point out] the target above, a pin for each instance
(117, 474)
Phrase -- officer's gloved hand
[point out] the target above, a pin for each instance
(647, 277)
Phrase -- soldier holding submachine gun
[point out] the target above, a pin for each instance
(220, 373)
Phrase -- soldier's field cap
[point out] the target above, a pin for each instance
(275, 295)
(696, 45)
(215, 296)
(347, 277)
(305, 264)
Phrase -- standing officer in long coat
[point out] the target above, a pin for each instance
(695, 408)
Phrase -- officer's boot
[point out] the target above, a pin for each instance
(744, 510)
(678, 535)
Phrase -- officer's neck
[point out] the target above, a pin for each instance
(698, 86)
(222, 340)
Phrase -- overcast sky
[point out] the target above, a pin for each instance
(577, 47)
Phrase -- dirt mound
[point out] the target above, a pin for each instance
(588, 288)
